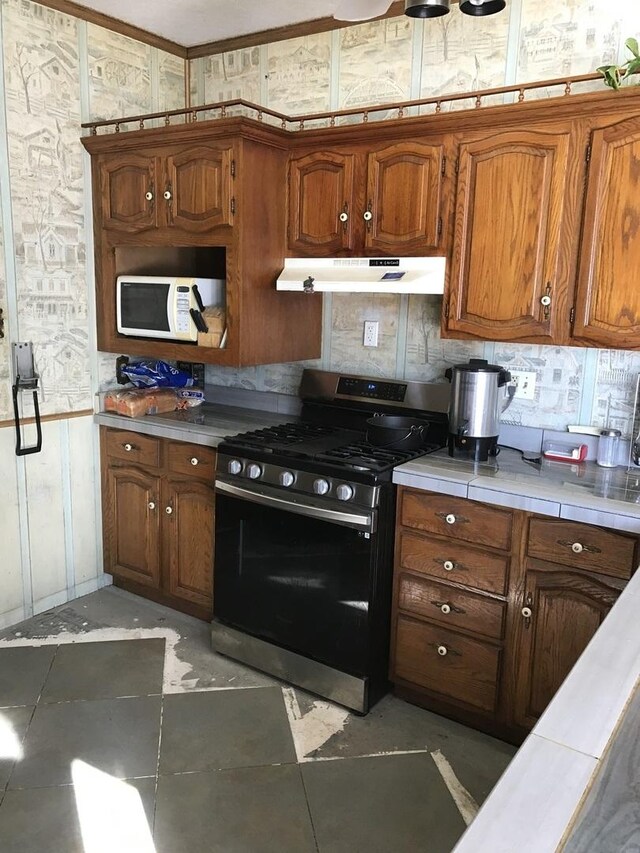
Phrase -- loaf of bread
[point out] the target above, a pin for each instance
(136, 402)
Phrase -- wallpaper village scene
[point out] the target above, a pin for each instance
(60, 71)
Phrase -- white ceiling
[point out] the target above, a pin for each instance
(192, 22)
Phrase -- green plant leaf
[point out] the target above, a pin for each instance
(633, 66)
(611, 75)
(632, 45)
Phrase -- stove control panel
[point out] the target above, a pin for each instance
(372, 389)
(294, 482)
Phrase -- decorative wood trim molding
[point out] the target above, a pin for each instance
(68, 7)
(304, 28)
(295, 126)
(63, 416)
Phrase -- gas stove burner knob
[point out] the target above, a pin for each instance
(320, 486)
(344, 492)
(286, 479)
(254, 471)
(234, 467)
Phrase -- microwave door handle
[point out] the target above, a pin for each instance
(347, 519)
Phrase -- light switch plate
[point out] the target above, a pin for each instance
(525, 382)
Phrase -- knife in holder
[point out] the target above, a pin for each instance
(25, 380)
(198, 320)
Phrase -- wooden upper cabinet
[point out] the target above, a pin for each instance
(607, 309)
(199, 183)
(567, 608)
(321, 203)
(128, 192)
(377, 201)
(188, 188)
(403, 198)
(508, 239)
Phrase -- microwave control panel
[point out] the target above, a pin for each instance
(183, 304)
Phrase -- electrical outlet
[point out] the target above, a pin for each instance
(525, 382)
(370, 333)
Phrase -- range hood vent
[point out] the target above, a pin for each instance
(363, 275)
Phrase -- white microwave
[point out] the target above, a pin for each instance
(153, 306)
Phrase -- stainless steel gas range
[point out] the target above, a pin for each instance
(305, 518)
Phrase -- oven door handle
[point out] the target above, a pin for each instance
(347, 519)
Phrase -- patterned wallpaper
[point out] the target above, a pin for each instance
(58, 72)
(402, 58)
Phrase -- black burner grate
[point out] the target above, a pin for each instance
(361, 454)
(282, 435)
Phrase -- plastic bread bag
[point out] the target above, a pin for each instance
(136, 402)
(153, 373)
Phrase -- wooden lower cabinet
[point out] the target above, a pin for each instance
(131, 524)
(159, 519)
(567, 608)
(188, 544)
(447, 663)
(486, 635)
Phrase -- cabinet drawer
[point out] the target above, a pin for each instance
(457, 518)
(192, 459)
(451, 606)
(463, 669)
(452, 561)
(133, 447)
(583, 546)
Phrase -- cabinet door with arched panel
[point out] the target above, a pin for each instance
(321, 203)
(516, 197)
(128, 192)
(607, 310)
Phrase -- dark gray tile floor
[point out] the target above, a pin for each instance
(120, 734)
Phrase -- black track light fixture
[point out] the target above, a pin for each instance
(479, 8)
(426, 8)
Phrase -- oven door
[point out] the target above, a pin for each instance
(295, 573)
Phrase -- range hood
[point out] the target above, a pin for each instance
(363, 275)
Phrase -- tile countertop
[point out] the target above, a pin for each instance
(608, 497)
(207, 424)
